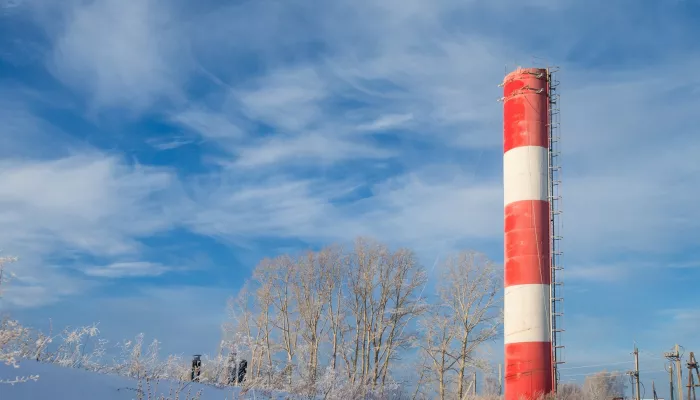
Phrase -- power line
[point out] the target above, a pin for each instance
(615, 373)
(610, 363)
(611, 373)
(598, 365)
(650, 355)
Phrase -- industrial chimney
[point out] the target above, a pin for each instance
(527, 302)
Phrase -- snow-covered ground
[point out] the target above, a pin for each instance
(59, 383)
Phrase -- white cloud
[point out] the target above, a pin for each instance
(23, 130)
(317, 148)
(390, 121)
(411, 68)
(120, 53)
(401, 71)
(584, 275)
(37, 282)
(128, 269)
(88, 204)
(169, 143)
(629, 158)
(422, 210)
(209, 124)
(92, 203)
(288, 99)
(680, 326)
(275, 207)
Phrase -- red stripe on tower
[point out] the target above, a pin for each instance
(528, 347)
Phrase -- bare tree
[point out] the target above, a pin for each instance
(424, 377)
(604, 386)
(312, 295)
(336, 311)
(491, 387)
(570, 391)
(384, 287)
(406, 279)
(363, 307)
(12, 334)
(247, 329)
(365, 261)
(470, 287)
(465, 316)
(438, 346)
(278, 277)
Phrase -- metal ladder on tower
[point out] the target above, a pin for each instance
(555, 211)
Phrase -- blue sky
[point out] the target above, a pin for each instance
(153, 151)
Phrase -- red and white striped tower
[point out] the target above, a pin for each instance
(528, 347)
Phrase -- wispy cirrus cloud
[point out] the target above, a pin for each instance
(315, 148)
(289, 99)
(584, 275)
(91, 203)
(117, 54)
(169, 144)
(86, 205)
(389, 121)
(210, 125)
(416, 61)
(412, 209)
(128, 269)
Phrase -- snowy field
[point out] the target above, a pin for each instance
(59, 383)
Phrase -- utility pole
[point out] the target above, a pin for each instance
(697, 370)
(670, 380)
(653, 390)
(636, 371)
(500, 381)
(675, 358)
(692, 365)
(635, 374)
(474, 391)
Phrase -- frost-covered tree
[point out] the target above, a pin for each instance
(465, 315)
(350, 311)
(384, 295)
(604, 385)
(13, 336)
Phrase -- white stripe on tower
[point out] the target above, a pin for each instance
(528, 348)
(525, 174)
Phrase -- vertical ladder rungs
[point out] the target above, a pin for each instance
(554, 181)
